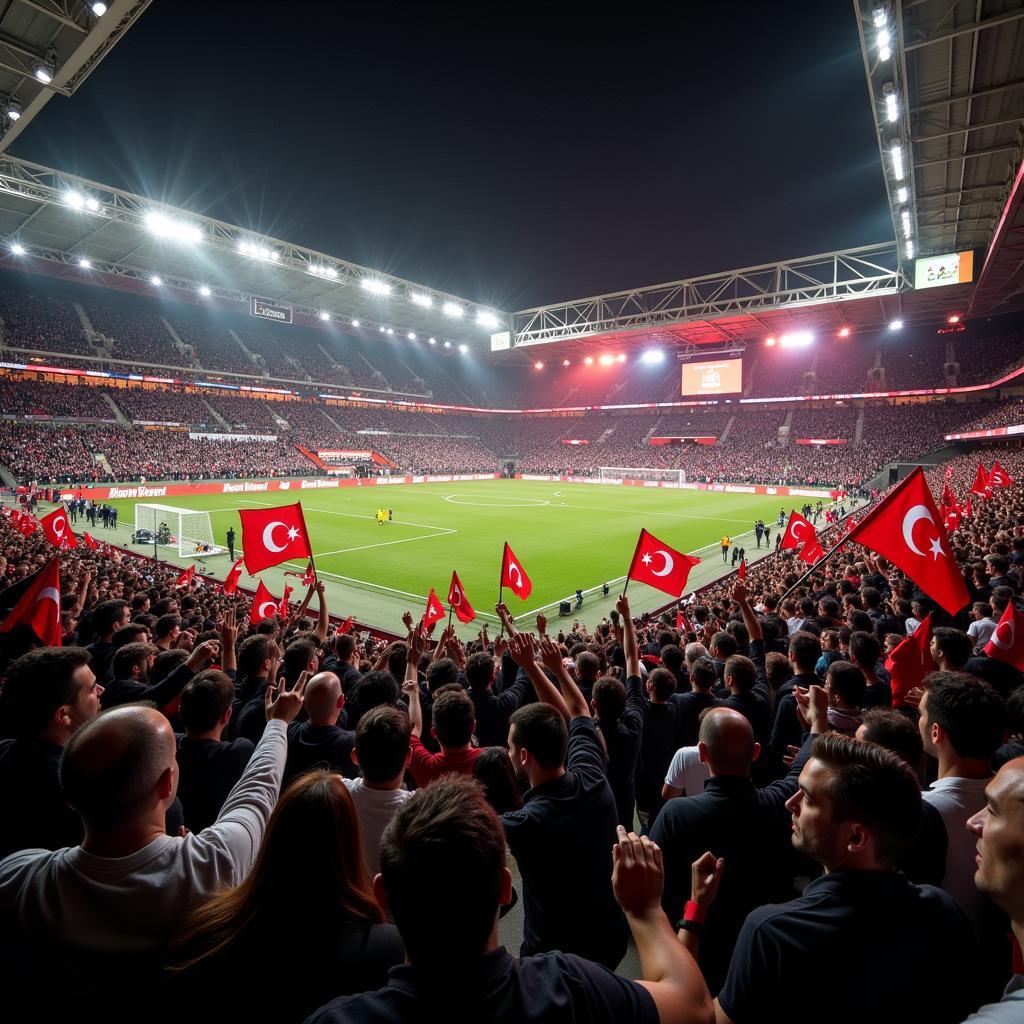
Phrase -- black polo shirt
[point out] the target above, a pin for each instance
(319, 746)
(688, 709)
(208, 771)
(657, 748)
(622, 739)
(856, 946)
(566, 828)
(500, 989)
(493, 710)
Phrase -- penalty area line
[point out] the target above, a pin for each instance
(348, 515)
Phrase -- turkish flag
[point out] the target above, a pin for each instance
(968, 511)
(998, 477)
(513, 576)
(948, 498)
(742, 573)
(893, 529)
(811, 552)
(28, 525)
(980, 481)
(911, 661)
(1007, 642)
(435, 610)
(232, 578)
(660, 566)
(458, 600)
(39, 606)
(798, 530)
(186, 577)
(90, 542)
(57, 530)
(345, 626)
(271, 536)
(283, 610)
(263, 605)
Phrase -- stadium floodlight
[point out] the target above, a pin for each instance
(376, 287)
(13, 108)
(84, 263)
(177, 230)
(905, 221)
(18, 249)
(411, 335)
(324, 315)
(884, 40)
(391, 330)
(332, 273)
(621, 357)
(896, 325)
(463, 349)
(902, 195)
(74, 199)
(606, 360)
(156, 279)
(99, 9)
(770, 342)
(421, 299)
(452, 309)
(896, 153)
(432, 341)
(381, 328)
(796, 339)
(653, 355)
(844, 332)
(355, 323)
(909, 249)
(953, 318)
(892, 109)
(485, 319)
(45, 69)
(538, 365)
(879, 16)
(205, 291)
(92, 204)
(589, 361)
(565, 362)
(447, 344)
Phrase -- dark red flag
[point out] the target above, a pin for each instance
(345, 626)
(232, 578)
(911, 661)
(798, 531)
(283, 610)
(513, 576)
(811, 552)
(39, 606)
(660, 566)
(90, 542)
(273, 535)
(893, 529)
(186, 577)
(980, 485)
(998, 477)
(458, 600)
(1007, 642)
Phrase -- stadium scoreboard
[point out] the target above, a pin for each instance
(717, 377)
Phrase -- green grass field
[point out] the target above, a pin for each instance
(566, 535)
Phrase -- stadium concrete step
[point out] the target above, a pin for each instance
(175, 337)
(217, 418)
(724, 436)
(84, 319)
(858, 431)
(312, 456)
(119, 415)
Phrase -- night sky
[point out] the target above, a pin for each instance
(512, 154)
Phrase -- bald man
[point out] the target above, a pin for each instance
(999, 827)
(320, 742)
(749, 827)
(99, 915)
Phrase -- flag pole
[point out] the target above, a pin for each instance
(817, 565)
(639, 541)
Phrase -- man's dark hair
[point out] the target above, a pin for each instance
(374, 689)
(382, 743)
(479, 671)
(864, 650)
(741, 673)
(36, 685)
(588, 667)
(396, 660)
(441, 673)
(872, 597)
(777, 669)
(869, 784)
(954, 644)
(970, 711)
(847, 682)
(703, 674)
(806, 650)
(205, 698)
(453, 716)
(105, 614)
(540, 729)
(672, 657)
(344, 645)
(441, 859)
(129, 656)
(859, 621)
(166, 625)
(726, 644)
(133, 633)
(665, 637)
(252, 652)
(166, 662)
(297, 656)
(609, 698)
(662, 683)
(896, 732)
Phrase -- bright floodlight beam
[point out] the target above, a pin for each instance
(896, 154)
(13, 108)
(74, 199)
(99, 9)
(432, 341)
(902, 194)
(156, 279)
(896, 325)
(355, 323)
(463, 349)
(892, 110)
(376, 287)
(84, 263)
(452, 309)
(796, 339)
(420, 299)
(879, 16)
(18, 249)
(324, 315)
(905, 221)
(653, 355)
(163, 226)
(485, 319)
(909, 250)
(411, 335)
(204, 290)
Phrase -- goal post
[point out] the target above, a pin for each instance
(184, 530)
(610, 473)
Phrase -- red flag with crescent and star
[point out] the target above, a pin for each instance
(435, 610)
(264, 604)
(90, 542)
(39, 607)
(980, 484)
(271, 536)
(998, 477)
(57, 530)
(231, 580)
(910, 661)
(659, 565)
(798, 530)
(894, 529)
(458, 600)
(1007, 642)
(186, 577)
(513, 576)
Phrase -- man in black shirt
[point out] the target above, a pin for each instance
(208, 766)
(658, 743)
(857, 808)
(231, 543)
(443, 878)
(568, 807)
(133, 665)
(107, 617)
(492, 710)
(258, 660)
(319, 741)
(689, 706)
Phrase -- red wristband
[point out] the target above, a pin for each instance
(693, 912)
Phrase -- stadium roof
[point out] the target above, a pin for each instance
(50, 47)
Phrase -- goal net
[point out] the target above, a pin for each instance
(188, 532)
(610, 473)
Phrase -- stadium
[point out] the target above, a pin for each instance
(294, 485)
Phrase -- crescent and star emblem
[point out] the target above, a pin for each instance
(648, 560)
(262, 609)
(1011, 627)
(518, 578)
(910, 520)
(268, 536)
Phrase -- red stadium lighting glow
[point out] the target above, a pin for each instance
(538, 365)
(589, 360)
(565, 362)
(606, 360)
(620, 358)
(844, 332)
(770, 342)
(953, 318)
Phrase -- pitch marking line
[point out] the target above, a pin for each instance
(383, 544)
(532, 502)
(349, 515)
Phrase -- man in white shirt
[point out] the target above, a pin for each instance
(99, 915)
(382, 753)
(981, 629)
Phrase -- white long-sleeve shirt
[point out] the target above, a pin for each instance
(135, 904)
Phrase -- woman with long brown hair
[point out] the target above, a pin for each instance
(309, 895)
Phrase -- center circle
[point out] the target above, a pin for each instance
(457, 499)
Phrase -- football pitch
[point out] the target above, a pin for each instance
(566, 536)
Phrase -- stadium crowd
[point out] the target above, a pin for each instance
(748, 797)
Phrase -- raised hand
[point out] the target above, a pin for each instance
(705, 875)
(284, 705)
(638, 876)
(622, 606)
(521, 648)
(542, 624)
(550, 654)
(203, 654)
